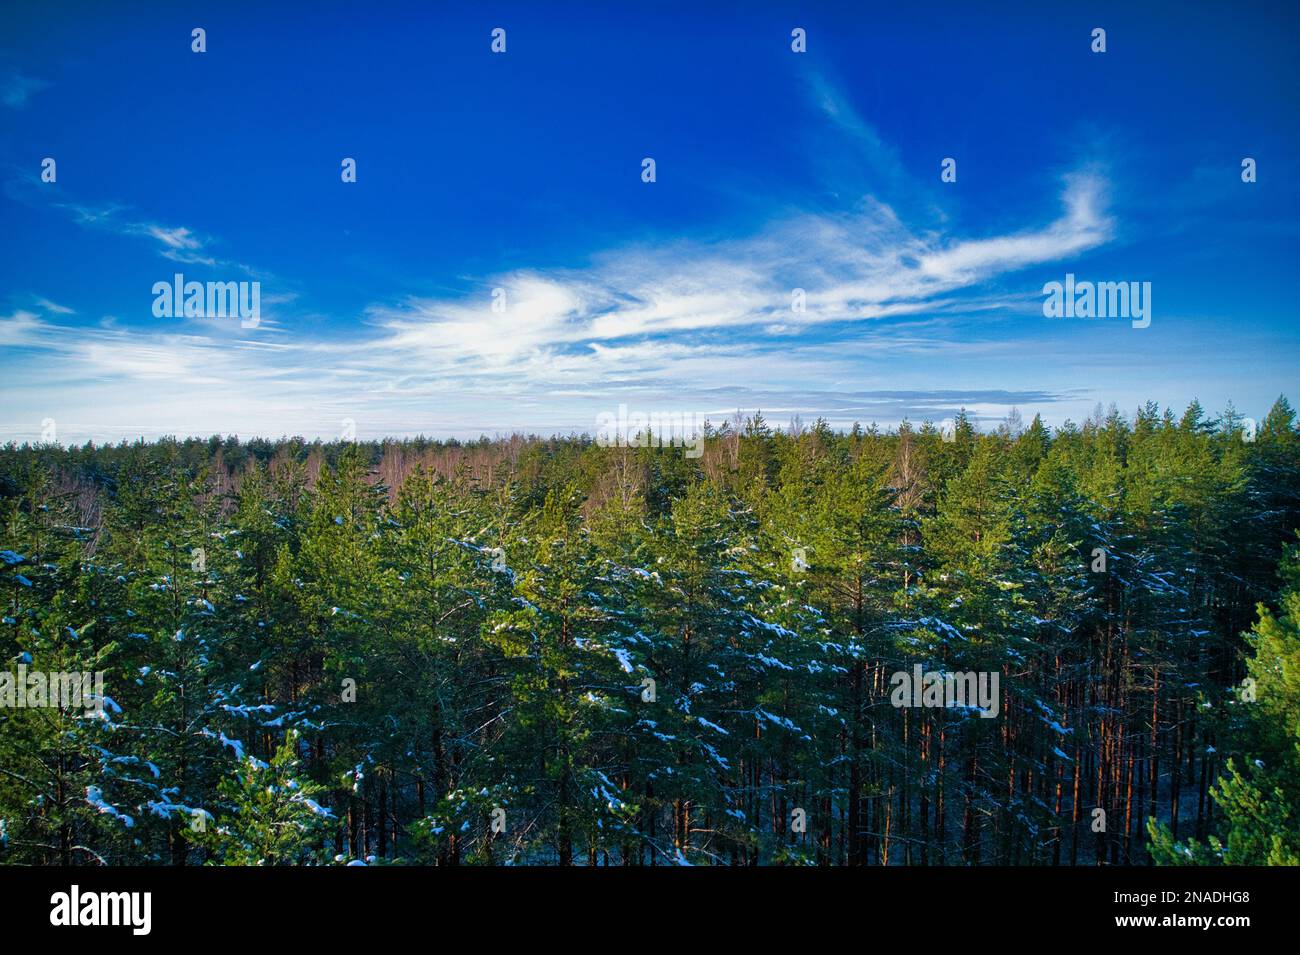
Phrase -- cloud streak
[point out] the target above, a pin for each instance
(860, 267)
(177, 243)
(682, 324)
(16, 90)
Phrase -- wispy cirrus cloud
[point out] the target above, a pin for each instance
(857, 267)
(109, 382)
(881, 157)
(680, 324)
(1084, 226)
(705, 324)
(16, 89)
(54, 307)
(179, 238)
(177, 243)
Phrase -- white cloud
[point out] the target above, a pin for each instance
(16, 89)
(54, 307)
(1084, 226)
(690, 325)
(179, 238)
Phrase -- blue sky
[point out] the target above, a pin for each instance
(522, 171)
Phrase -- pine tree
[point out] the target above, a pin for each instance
(1260, 795)
(268, 813)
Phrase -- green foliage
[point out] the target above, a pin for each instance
(1260, 795)
(270, 815)
(532, 651)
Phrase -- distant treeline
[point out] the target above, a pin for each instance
(545, 651)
